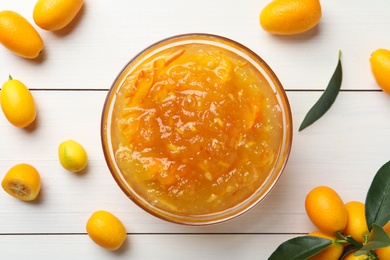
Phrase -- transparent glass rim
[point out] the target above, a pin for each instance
(274, 176)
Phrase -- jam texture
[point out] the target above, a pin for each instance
(197, 129)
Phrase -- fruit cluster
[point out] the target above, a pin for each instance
(19, 36)
(346, 231)
(339, 222)
(23, 181)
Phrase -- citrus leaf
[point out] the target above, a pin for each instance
(327, 98)
(378, 238)
(347, 249)
(378, 198)
(300, 248)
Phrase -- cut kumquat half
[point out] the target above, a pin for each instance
(22, 181)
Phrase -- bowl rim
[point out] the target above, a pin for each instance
(285, 148)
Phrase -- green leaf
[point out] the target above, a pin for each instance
(348, 249)
(327, 98)
(353, 242)
(378, 198)
(378, 238)
(300, 248)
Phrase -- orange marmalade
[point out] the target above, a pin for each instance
(196, 129)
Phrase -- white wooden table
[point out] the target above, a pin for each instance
(343, 150)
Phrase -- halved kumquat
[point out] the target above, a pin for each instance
(22, 181)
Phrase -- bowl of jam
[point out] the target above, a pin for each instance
(196, 129)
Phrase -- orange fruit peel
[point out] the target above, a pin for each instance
(17, 103)
(380, 67)
(54, 15)
(286, 17)
(334, 251)
(106, 230)
(72, 156)
(326, 210)
(356, 223)
(19, 36)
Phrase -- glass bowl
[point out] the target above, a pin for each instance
(196, 129)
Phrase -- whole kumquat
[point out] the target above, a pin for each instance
(334, 251)
(326, 210)
(54, 15)
(290, 16)
(19, 36)
(356, 223)
(384, 252)
(380, 67)
(17, 103)
(106, 230)
(72, 156)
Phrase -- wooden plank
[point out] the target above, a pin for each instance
(143, 247)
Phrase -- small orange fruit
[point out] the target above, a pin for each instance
(17, 103)
(384, 253)
(326, 210)
(22, 182)
(351, 256)
(72, 156)
(380, 67)
(290, 16)
(386, 227)
(19, 36)
(106, 230)
(356, 223)
(54, 15)
(333, 251)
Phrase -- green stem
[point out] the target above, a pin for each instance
(365, 239)
(372, 255)
(340, 241)
(10, 77)
(350, 240)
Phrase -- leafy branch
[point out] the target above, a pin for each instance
(377, 211)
